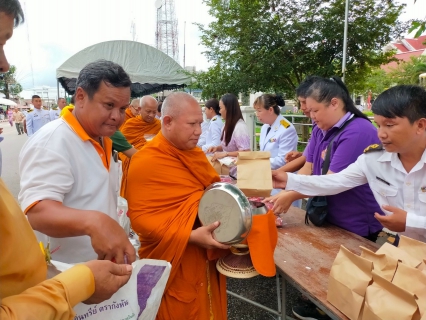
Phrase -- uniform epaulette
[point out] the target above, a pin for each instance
(374, 147)
(285, 123)
(214, 119)
(45, 108)
(29, 111)
(54, 108)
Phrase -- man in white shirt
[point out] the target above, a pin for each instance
(395, 170)
(38, 118)
(56, 111)
(69, 177)
(213, 131)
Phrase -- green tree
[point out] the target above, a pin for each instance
(8, 84)
(407, 72)
(272, 45)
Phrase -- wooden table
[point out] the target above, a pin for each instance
(304, 256)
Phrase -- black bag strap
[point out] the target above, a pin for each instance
(326, 163)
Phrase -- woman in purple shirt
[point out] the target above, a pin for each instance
(331, 106)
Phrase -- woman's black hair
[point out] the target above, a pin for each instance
(401, 101)
(268, 101)
(304, 86)
(213, 103)
(159, 106)
(233, 114)
(323, 90)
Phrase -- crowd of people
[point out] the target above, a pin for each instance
(69, 170)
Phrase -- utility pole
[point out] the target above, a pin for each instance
(184, 43)
(345, 40)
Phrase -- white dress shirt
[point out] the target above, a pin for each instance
(36, 119)
(213, 133)
(281, 139)
(390, 182)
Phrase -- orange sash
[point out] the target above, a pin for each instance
(134, 130)
(164, 187)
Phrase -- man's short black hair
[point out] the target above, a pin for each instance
(302, 89)
(13, 8)
(401, 101)
(35, 97)
(94, 73)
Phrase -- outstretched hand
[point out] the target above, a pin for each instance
(396, 221)
(292, 155)
(282, 202)
(279, 179)
(109, 277)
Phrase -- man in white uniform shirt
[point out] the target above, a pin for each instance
(395, 170)
(56, 111)
(215, 126)
(69, 176)
(37, 118)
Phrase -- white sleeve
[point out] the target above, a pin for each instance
(326, 185)
(216, 132)
(287, 142)
(29, 124)
(45, 175)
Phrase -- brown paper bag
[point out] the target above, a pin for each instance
(413, 281)
(383, 264)
(385, 301)
(399, 254)
(220, 169)
(254, 176)
(415, 248)
(349, 277)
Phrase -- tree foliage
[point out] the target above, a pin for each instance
(407, 72)
(8, 84)
(272, 45)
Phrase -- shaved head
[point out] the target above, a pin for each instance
(148, 108)
(175, 103)
(181, 120)
(135, 108)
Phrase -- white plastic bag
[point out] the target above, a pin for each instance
(123, 219)
(139, 298)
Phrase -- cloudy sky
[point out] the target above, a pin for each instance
(56, 29)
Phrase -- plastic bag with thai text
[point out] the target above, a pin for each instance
(139, 298)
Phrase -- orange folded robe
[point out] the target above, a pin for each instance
(165, 186)
(134, 130)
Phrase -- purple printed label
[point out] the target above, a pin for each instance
(147, 279)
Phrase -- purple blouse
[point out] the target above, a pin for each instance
(352, 210)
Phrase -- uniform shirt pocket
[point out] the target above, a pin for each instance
(422, 197)
(383, 193)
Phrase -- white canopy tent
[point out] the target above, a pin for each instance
(7, 102)
(150, 69)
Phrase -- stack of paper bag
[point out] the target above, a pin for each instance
(254, 176)
(387, 284)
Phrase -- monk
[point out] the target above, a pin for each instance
(165, 184)
(135, 129)
(132, 111)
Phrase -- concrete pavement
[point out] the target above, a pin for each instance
(10, 148)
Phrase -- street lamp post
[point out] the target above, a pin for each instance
(345, 40)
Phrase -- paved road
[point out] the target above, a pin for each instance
(10, 147)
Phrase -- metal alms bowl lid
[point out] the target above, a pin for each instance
(226, 203)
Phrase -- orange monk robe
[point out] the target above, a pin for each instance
(134, 130)
(128, 115)
(165, 186)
